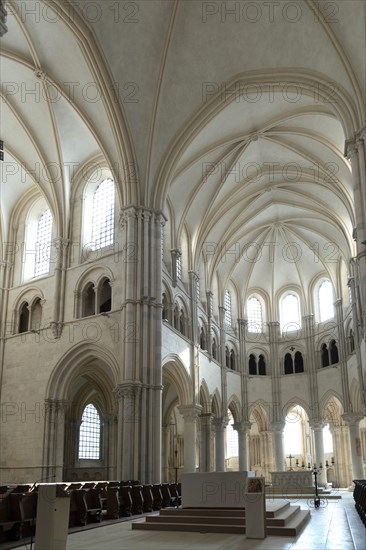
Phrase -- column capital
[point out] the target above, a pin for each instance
(220, 423)
(277, 426)
(317, 425)
(352, 418)
(140, 212)
(350, 148)
(206, 418)
(190, 412)
(242, 427)
(130, 388)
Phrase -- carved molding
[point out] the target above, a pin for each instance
(127, 389)
(190, 412)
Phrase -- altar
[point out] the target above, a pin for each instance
(292, 481)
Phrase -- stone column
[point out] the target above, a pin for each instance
(220, 425)
(209, 297)
(317, 428)
(205, 455)
(128, 395)
(165, 457)
(355, 152)
(175, 254)
(355, 317)
(190, 413)
(140, 344)
(243, 428)
(54, 435)
(353, 421)
(277, 429)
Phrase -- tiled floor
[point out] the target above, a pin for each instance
(335, 526)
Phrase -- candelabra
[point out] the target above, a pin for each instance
(316, 496)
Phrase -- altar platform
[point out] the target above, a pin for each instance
(282, 519)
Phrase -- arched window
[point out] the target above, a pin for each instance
(290, 313)
(254, 313)
(203, 344)
(43, 241)
(214, 348)
(227, 305)
(103, 215)
(325, 297)
(176, 317)
(232, 360)
(325, 355)
(89, 435)
(231, 438)
(299, 362)
(36, 315)
(182, 323)
(327, 439)
(164, 311)
(261, 365)
(105, 297)
(289, 365)
(252, 364)
(334, 358)
(24, 318)
(293, 433)
(88, 300)
(227, 357)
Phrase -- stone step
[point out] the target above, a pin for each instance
(209, 512)
(273, 509)
(191, 527)
(282, 519)
(293, 527)
(207, 520)
(303, 496)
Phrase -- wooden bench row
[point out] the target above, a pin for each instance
(17, 514)
(89, 502)
(359, 494)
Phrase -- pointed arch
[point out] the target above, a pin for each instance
(176, 373)
(76, 362)
(205, 400)
(235, 407)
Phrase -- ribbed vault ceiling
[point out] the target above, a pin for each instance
(259, 159)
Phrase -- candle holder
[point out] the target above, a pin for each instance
(316, 496)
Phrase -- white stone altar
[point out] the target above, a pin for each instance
(292, 481)
(214, 489)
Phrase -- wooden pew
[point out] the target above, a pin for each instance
(148, 498)
(158, 497)
(137, 499)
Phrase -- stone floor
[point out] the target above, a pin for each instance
(336, 526)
